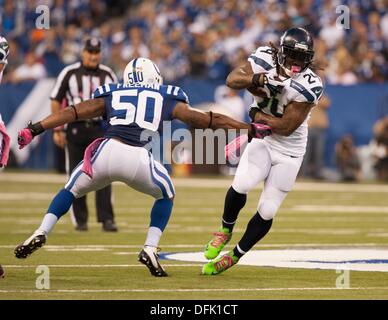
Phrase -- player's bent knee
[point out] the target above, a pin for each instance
(242, 188)
(268, 209)
(76, 193)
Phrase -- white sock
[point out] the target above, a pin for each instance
(153, 237)
(48, 223)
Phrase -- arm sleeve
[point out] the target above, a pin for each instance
(103, 91)
(261, 60)
(303, 94)
(173, 95)
(176, 93)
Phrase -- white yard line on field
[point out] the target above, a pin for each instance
(100, 265)
(17, 196)
(338, 208)
(206, 183)
(191, 290)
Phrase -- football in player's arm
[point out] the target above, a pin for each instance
(295, 112)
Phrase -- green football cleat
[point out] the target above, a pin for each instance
(220, 265)
(214, 247)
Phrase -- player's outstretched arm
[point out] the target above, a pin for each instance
(294, 115)
(81, 111)
(202, 120)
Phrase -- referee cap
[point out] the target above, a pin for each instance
(93, 44)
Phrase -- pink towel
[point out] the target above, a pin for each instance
(5, 147)
(234, 146)
(89, 152)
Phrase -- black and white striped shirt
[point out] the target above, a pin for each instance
(76, 83)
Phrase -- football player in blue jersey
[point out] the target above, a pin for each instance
(138, 104)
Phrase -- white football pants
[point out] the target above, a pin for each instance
(278, 171)
(117, 161)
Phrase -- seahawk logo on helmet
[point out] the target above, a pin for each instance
(296, 51)
(4, 50)
(142, 71)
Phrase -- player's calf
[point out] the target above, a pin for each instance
(33, 243)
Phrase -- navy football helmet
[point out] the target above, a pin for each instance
(296, 51)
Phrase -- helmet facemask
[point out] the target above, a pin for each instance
(294, 60)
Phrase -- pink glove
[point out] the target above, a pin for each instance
(24, 137)
(260, 130)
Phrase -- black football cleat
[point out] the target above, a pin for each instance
(150, 258)
(37, 240)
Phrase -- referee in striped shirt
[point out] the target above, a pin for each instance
(76, 83)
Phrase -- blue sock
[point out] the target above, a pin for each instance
(160, 213)
(61, 203)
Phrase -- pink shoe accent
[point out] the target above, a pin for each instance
(89, 152)
(219, 239)
(5, 147)
(225, 262)
(234, 146)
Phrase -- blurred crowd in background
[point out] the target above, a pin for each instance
(203, 38)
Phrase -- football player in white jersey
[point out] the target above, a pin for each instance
(284, 90)
(4, 138)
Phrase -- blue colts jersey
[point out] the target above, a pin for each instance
(132, 109)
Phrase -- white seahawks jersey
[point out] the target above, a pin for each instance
(305, 87)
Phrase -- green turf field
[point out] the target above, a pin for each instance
(97, 265)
